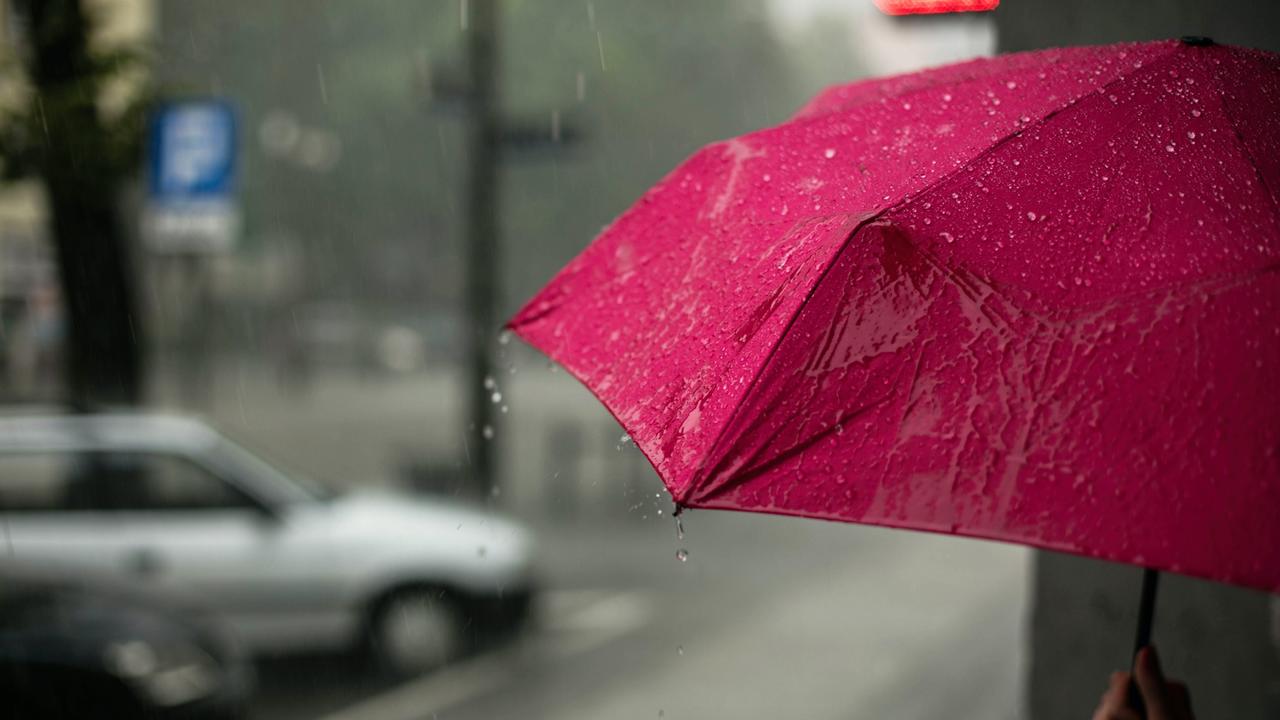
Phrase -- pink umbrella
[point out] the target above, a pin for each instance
(1033, 298)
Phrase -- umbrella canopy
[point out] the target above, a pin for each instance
(1033, 298)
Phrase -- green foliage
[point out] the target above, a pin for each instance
(52, 116)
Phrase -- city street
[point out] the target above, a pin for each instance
(768, 617)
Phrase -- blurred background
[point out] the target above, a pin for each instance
(310, 220)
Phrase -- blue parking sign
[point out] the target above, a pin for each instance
(192, 163)
(193, 151)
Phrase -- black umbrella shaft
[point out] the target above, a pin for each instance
(1146, 613)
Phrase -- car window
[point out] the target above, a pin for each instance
(111, 481)
(147, 481)
(34, 482)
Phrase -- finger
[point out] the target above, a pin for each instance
(1151, 683)
(1179, 699)
(1112, 705)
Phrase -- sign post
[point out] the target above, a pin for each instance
(191, 214)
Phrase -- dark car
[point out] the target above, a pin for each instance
(70, 648)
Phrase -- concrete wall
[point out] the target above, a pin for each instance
(1218, 639)
(1032, 24)
(1221, 640)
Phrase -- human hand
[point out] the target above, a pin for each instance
(1165, 700)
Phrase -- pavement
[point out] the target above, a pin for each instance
(767, 617)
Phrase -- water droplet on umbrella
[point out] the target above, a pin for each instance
(682, 555)
(829, 153)
(1031, 216)
(1191, 135)
(1195, 113)
(1011, 85)
(1170, 147)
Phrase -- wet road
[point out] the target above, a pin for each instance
(768, 618)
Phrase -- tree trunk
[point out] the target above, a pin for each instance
(103, 353)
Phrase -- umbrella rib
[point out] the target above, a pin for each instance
(792, 451)
(1243, 148)
(711, 461)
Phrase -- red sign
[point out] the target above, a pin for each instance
(933, 7)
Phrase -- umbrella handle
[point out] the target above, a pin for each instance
(1146, 613)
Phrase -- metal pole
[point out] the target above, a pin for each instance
(482, 258)
(1146, 614)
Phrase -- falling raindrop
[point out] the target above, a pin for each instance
(487, 432)
(490, 383)
(682, 555)
(680, 650)
(496, 397)
(679, 528)
(504, 337)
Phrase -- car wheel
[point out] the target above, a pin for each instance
(414, 631)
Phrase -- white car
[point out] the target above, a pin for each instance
(169, 501)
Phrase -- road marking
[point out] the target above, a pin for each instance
(600, 623)
(571, 623)
(433, 693)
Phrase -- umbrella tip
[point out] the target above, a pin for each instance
(1196, 40)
